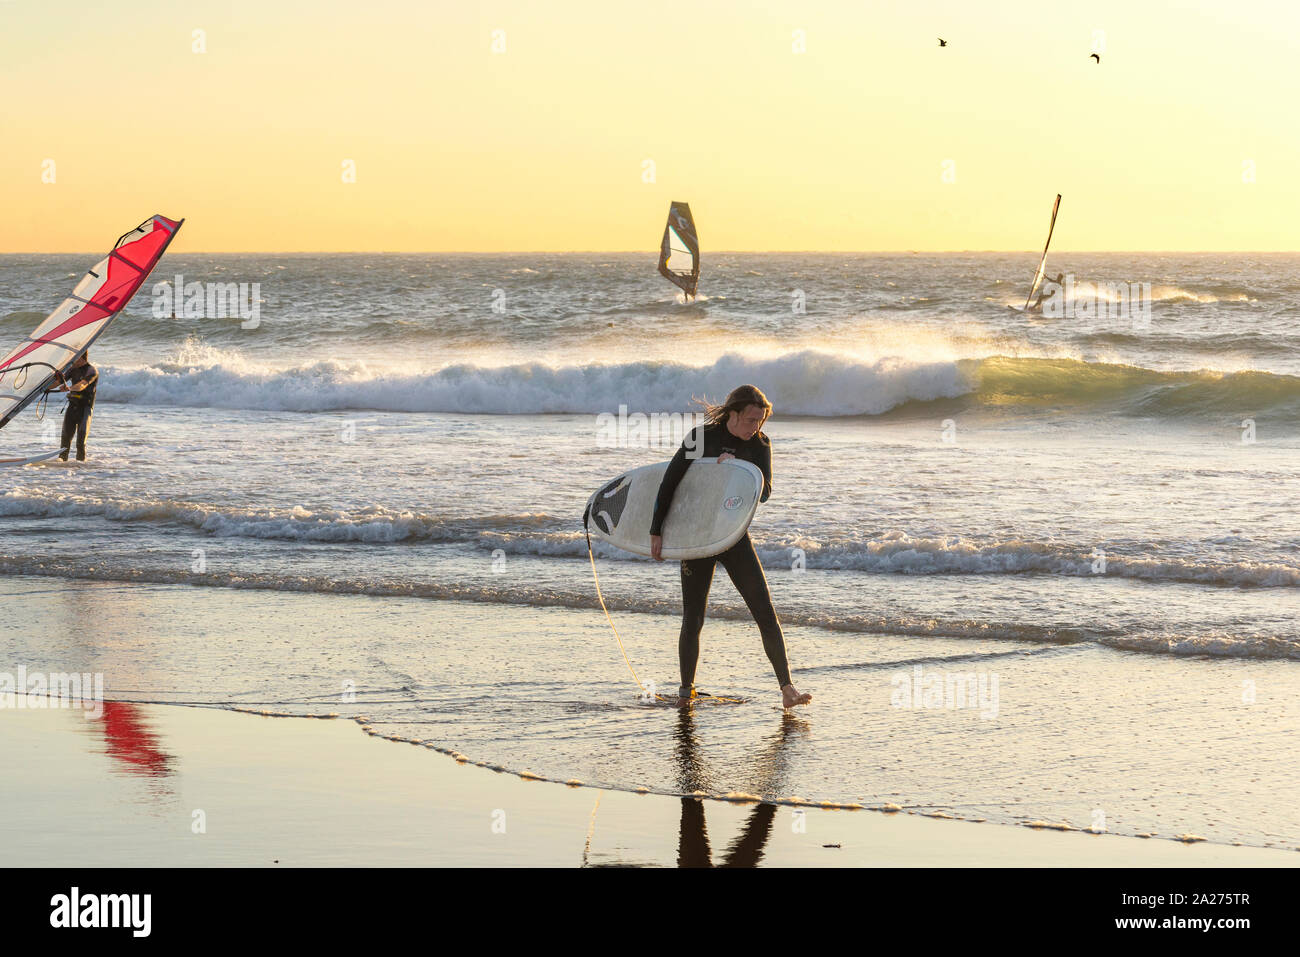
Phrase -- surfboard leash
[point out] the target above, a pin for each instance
(591, 829)
(592, 556)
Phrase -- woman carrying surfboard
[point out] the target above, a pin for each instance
(731, 430)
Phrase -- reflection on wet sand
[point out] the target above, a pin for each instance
(695, 774)
(129, 739)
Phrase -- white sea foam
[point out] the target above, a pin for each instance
(543, 535)
(805, 383)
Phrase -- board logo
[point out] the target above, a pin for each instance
(731, 503)
(606, 506)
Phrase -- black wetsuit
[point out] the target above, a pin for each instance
(80, 404)
(740, 560)
(1042, 293)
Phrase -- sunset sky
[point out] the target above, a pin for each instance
(542, 146)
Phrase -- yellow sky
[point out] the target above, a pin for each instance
(542, 146)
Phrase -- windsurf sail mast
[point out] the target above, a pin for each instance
(1042, 263)
(679, 253)
(28, 371)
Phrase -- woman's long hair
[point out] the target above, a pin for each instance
(740, 398)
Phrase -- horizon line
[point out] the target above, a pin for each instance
(645, 252)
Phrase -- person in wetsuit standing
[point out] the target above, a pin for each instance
(732, 430)
(79, 382)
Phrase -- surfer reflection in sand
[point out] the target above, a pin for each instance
(731, 430)
(765, 772)
(746, 850)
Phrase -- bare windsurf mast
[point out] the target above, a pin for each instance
(1042, 263)
(679, 253)
(29, 370)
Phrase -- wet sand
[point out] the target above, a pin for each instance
(148, 785)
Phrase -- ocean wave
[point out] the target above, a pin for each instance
(900, 554)
(1236, 343)
(1161, 293)
(1099, 386)
(1150, 640)
(548, 536)
(1144, 640)
(1166, 294)
(808, 382)
(372, 525)
(1214, 646)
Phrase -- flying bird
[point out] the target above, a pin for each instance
(1096, 56)
(942, 42)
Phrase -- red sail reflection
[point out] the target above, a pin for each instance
(130, 740)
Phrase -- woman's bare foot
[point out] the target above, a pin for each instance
(791, 696)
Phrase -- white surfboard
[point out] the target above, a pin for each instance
(710, 511)
(44, 456)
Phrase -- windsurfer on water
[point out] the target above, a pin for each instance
(732, 430)
(79, 382)
(1037, 305)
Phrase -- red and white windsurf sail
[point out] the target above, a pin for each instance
(29, 370)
